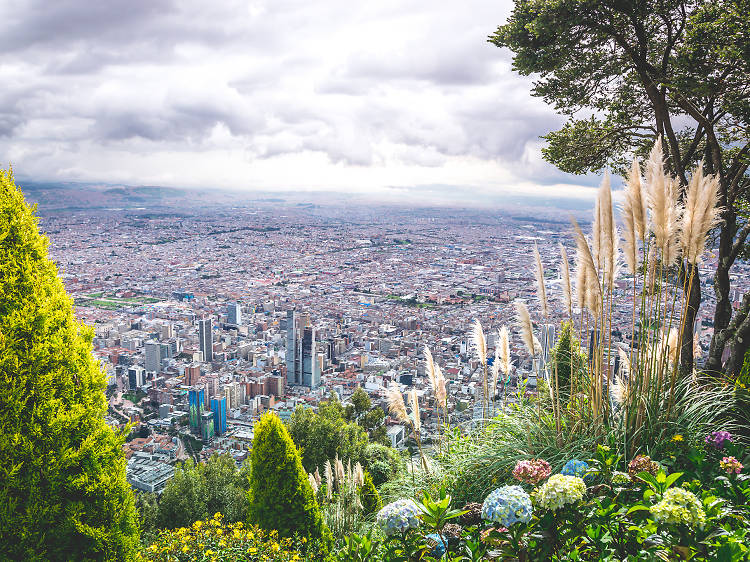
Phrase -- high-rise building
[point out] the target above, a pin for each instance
(207, 426)
(152, 352)
(310, 365)
(302, 367)
(205, 339)
(234, 313)
(136, 377)
(196, 402)
(192, 374)
(548, 342)
(219, 410)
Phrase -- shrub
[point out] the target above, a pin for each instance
(62, 468)
(369, 496)
(281, 497)
(216, 540)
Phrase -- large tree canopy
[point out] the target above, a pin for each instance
(62, 468)
(628, 71)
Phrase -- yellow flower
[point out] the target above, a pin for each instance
(185, 548)
(677, 438)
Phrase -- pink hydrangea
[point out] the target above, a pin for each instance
(731, 464)
(532, 471)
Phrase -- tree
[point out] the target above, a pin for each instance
(382, 462)
(369, 496)
(198, 491)
(625, 73)
(281, 497)
(63, 492)
(325, 434)
(566, 358)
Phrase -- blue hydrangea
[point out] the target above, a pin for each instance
(578, 468)
(398, 517)
(438, 548)
(507, 505)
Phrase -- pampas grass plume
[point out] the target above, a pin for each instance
(541, 290)
(524, 322)
(415, 409)
(504, 348)
(396, 404)
(479, 341)
(567, 292)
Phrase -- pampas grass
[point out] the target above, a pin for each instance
(524, 323)
(414, 403)
(504, 350)
(430, 367)
(567, 293)
(701, 214)
(479, 342)
(396, 404)
(541, 291)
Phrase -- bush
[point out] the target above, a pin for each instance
(217, 540)
(281, 497)
(369, 496)
(62, 468)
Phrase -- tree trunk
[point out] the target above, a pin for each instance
(723, 312)
(737, 332)
(693, 302)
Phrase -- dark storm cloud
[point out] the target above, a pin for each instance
(399, 83)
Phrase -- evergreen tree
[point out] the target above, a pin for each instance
(281, 497)
(63, 493)
(567, 361)
(369, 496)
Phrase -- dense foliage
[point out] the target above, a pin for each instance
(62, 468)
(194, 493)
(215, 540)
(281, 497)
(325, 434)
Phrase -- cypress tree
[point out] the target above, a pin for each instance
(63, 493)
(281, 497)
(369, 496)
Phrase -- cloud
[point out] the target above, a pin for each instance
(276, 94)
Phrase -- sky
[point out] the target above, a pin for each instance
(360, 97)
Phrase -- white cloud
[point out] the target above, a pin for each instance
(277, 94)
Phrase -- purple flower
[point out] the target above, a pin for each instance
(717, 439)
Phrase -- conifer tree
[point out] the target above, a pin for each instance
(281, 497)
(369, 496)
(63, 493)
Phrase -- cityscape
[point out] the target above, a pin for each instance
(205, 320)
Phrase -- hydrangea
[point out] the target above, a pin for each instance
(560, 490)
(575, 467)
(532, 472)
(731, 465)
(619, 478)
(507, 505)
(642, 463)
(399, 517)
(679, 506)
(717, 439)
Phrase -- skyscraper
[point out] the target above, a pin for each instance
(152, 352)
(219, 409)
(301, 351)
(310, 366)
(234, 313)
(196, 401)
(205, 339)
(136, 377)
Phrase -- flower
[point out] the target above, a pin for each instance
(717, 439)
(575, 467)
(560, 490)
(642, 463)
(507, 505)
(677, 438)
(398, 517)
(620, 478)
(679, 506)
(731, 464)
(532, 472)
